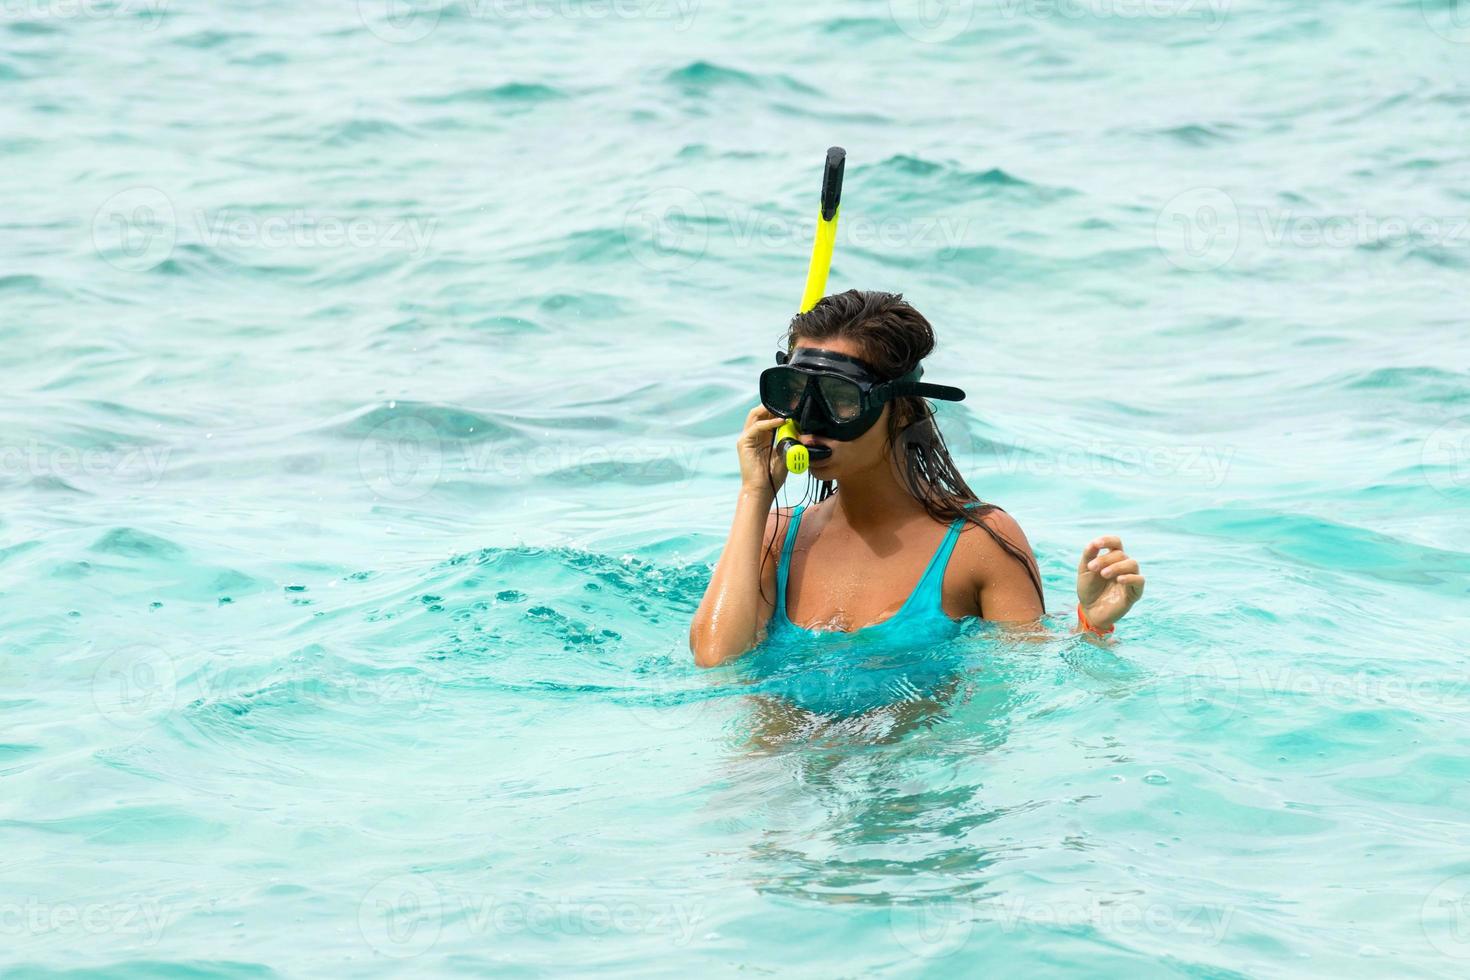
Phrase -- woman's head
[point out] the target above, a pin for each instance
(894, 337)
(891, 337)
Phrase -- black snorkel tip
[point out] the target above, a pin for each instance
(832, 182)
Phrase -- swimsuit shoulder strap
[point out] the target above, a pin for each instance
(784, 565)
(931, 586)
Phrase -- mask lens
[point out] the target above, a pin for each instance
(843, 397)
(781, 390)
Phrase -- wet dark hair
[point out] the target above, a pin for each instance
(894, 338)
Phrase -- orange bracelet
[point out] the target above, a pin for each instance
(1088, 627)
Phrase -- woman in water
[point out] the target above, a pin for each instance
(893, 509)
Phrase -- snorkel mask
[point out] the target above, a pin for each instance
(836, 396)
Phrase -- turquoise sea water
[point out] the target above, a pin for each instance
(371, 380)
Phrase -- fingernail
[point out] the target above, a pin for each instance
(1107, 573)
(1092, 565)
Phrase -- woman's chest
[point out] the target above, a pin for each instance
(847, 583)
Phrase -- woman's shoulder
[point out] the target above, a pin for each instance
(994, 520)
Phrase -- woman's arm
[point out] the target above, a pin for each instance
(1007, 593)
(735, 608)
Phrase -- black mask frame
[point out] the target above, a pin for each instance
(813, 411)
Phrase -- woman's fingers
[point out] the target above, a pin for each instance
(756, 414)
(1103, 561)
(1094, 547)
(763, 428)
(1133, 585)
(1119, 565)
(755, 428)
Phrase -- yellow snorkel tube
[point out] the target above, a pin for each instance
(788, 435)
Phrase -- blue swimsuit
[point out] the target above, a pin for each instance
(921, 621)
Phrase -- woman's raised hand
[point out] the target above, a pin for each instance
(1107, 584)
(760, 467)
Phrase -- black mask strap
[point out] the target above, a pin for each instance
(923, 389)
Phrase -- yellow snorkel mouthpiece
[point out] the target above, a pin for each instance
(788, 441)
(798, 457)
